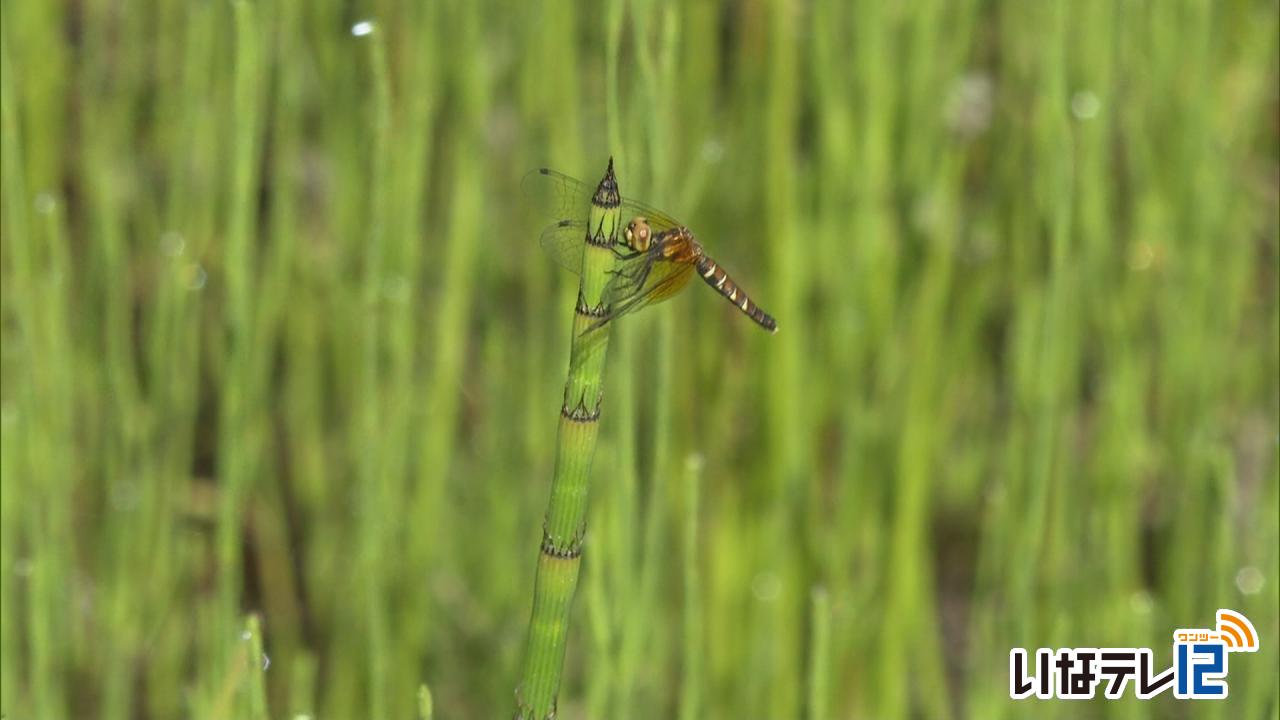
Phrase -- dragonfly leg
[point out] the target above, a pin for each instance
(624, 255)
(632, 271)
(644, 274)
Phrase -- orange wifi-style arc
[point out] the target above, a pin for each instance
(1237, 631)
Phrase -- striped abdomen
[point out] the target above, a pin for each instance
(716, 277)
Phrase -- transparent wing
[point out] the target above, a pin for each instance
(630, 290)
(557, 196)
(554, 196)
(563, 242)
(636, 285)
(565, 203)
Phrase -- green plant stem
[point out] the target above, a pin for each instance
(563, 529)
(426, 706)
(237, 457)
(256, 665)
(819, 654)
(692, 650)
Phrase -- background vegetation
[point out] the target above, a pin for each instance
(278, 338)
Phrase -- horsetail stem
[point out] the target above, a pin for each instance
(256, 665)
(564, 527)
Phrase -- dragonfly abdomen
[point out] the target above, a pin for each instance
(715, 276)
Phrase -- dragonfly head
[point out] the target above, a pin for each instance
(638, 234)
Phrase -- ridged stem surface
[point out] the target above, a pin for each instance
(560, 553)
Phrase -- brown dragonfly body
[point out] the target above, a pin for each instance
(677, 245)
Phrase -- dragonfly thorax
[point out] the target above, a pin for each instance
(678, 245)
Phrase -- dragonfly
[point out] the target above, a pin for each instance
(656, 254)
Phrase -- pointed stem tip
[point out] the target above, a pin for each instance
(607, 191)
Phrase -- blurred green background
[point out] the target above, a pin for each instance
(278, 338)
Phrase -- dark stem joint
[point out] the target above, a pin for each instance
(524, 711)
(569, 551)
(607, 191)
(580, 413)
(597, 237)
(583, 309)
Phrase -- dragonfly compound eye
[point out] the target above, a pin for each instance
(638, 233)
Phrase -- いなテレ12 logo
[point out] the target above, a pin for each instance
(1199, 670)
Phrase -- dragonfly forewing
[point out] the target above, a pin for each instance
(563, 242)
(565, 203)
(561, 196)
(554, 196)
